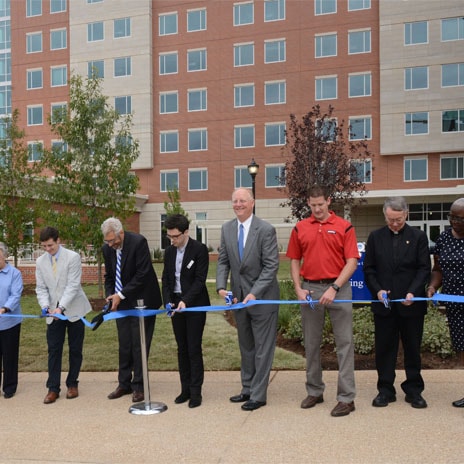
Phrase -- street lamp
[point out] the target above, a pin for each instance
(253, 169)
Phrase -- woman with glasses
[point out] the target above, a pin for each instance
(448, 273)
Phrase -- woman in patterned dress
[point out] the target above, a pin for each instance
(448, 273)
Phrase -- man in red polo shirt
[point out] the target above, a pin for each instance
(328, 247)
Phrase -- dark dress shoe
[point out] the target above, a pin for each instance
(342, 409)
(137, 396)
(251, 405)
(195, 402)
(182, 398)
(239, 398)
(73, 392)
(381, 400)
(311, 401)
(9, 395)
(456, 404)
(118, 393)
(51, 397)
(416, 401)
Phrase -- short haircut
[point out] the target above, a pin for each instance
(111, 224)
(48, 233)
(396, 204)
(177, 221)
(318, 191)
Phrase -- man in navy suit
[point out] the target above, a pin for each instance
(138, 281)
(397, 266)
(185, 271)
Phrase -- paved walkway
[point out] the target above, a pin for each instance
(93, 429)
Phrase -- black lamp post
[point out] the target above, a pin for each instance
(253, 169)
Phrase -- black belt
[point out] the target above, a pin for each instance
(320, 281)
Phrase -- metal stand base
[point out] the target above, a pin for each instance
(144, 409)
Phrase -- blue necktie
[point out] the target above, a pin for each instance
(241, 233)
(118, 284)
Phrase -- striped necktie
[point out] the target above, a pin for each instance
(241, 234)
(118, 284)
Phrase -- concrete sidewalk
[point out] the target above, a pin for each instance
(93, 429)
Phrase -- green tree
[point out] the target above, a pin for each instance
(173, 206)
(321, 155)
(91, 167)
(20, 187)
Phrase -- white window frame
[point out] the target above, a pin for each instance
(30, 42)
(165, 102)
(363, 5)
(281, 126)
(203, 134)
(275, 51)
(320, 5)
(31, 149)
(58, 6)
(60, 72)
(323, 41)
(367, 127)
(272, 181)
(33, 7)
(92, 64)
(31, 75)
(127, 60)
(92, 31)
(282, 92)
(238, 94)
(126, 101)
(458, 168)
(200, 55)
(203, 95)
(459, 74)
(162, 23)
(366, 85)
(164, 135)
(164, 180)
(319, 87)
(33, 113)
(414, 75)
(62, 106)
(459, 121)
(126, 28)
(366, 165)
(242, 177)
(410, 34)
(410, 114)
(202, 19)
(240, 12)
(366, 41)
(162, 59)
(274, 6)
(239, 49)
(410, 161)
(203, 172)
(239, 135)
(62, 35)
(459, 26)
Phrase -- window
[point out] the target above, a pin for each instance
(95, 31)
(274, 134)
(33, 8)
(197, 139)
(452, 121)
(169, 102)
(354, 5)
(196, 20)
(359, 42)
(274, 10)
(361, 170)
(96, 68)
(243, 14)
(416, 33)
(5, 35)
(122, 66)
(274, 93)
(34, 115)
(274, 51)
(359, 85)
(123, 105)
(169, 180)
(452, 74)
(242, 177)
(121, 28)
(57, 6)
(244, 136)
(169, 142)
(59, 148)
(35, 151)
(452, 167)
(94, 1)
(5, 67)
(198, 179)
(168, 23)
(275, 176)
(452, 29)
(360, 128)
(415, 169)
(326, 88)
(416, 123)
(168, 63)
(326, 129)
(58, 112)
(244, 54)
(5, 8)
(196, 60)
(34, 42)
(416, 78)
(196, 99)
(59, 76)
(5, 100)
(34, 79)
(325, 7)
(244, 95)
(325, 45)
(58, 39)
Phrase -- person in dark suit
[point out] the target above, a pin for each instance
(185, 271)
(397, 266)
(249, 252)
(137, 281)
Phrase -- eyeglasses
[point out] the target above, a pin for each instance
(170, 237)
(457, 219)
(395, 220)
(110, 242)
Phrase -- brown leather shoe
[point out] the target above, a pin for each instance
(118, 393)
(73, 392)
(342, 409)
(311, 401)
(137, 396)
(51, 397)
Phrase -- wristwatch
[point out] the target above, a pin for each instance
(335, 287)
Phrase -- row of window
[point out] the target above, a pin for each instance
(58, 77)
(417, 78)
(34, 7)
(58, 40)
(243, 14)
(417, 33)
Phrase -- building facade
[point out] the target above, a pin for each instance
(211, 85)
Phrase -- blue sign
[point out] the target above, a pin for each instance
(358, 285)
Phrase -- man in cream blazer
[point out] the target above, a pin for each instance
(58, 289)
